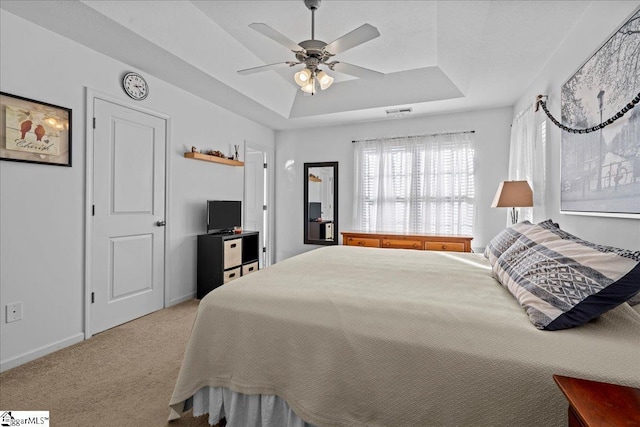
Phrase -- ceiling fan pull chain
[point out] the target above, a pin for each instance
(540, 101)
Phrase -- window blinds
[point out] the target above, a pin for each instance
(418, 184)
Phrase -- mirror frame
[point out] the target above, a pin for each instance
(307, 166)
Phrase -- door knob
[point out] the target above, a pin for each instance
(161, 223)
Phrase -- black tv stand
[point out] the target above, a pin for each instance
(222, 233)
(225, 257)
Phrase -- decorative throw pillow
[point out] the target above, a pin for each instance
(508, 236)
(549, 225)
(602, 248)
(504, 240)
(564, 283)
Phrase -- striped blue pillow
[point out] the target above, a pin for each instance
(504, 240)
(508, 236)
(555, 229)
(563, 283)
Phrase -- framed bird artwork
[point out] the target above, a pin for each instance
(34, 131)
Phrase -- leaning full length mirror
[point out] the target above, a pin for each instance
(321, 203)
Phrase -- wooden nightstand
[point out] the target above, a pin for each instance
(593, 403)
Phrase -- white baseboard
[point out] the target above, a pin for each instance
(23, 358)
(183, 298)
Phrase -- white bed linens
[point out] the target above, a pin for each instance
(244, 410)
(352, 336)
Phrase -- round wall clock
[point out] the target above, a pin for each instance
(135, 86)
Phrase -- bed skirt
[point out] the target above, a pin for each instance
(244, 410)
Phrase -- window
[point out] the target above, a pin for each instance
(527, 160)
(421, 184)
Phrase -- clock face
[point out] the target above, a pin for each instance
(135, 86)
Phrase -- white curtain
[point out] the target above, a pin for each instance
(417, 184)
(527, 161)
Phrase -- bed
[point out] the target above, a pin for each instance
(350, 336)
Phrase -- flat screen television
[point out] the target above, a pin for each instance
(223, 215)
(315, 211)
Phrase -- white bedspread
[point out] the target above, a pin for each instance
(352, 336)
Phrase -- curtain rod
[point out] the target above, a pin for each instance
(415, 136)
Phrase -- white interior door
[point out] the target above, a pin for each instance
(327, 195)
(254, 195)
(128, 221)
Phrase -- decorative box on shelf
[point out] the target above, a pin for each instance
(214, 159)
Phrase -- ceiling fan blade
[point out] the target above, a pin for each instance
(354, 38)
(262, 68)
(276, 36)
(354, 70)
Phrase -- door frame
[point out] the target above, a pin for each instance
(91, 96)
(271, 201)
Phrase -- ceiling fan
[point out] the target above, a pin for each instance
(315, 53)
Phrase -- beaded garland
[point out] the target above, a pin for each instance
(540, 102)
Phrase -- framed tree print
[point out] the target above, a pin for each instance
(600, 171)
(34, 131)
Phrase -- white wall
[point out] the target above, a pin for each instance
(42, 207)
(325, 144)
(596, 25)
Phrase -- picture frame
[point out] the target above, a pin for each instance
(600, 171)
(33, 131)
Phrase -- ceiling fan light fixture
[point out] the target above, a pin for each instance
(309, 87)
(314, 53)
(325, 80)
(302, 77)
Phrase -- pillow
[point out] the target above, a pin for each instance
(504, 240)
(602, 248)
(549, 224)
(564, 283)
(507, 237)
(634, 300)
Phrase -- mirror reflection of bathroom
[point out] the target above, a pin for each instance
(320, 204)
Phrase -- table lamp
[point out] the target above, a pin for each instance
(513, 194)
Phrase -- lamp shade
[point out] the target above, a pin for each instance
(325, 80)
(512, 194)
(302, 77)
(309, 87)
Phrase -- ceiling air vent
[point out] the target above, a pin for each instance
(399, 112)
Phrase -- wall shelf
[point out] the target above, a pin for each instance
(213, 159)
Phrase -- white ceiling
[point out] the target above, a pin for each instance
(437, 56)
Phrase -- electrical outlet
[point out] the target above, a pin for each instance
(14, 311)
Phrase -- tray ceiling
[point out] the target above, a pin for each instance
(437, 56)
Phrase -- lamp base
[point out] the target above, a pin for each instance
(514, 216)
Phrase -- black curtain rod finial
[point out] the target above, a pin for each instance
(539, 99)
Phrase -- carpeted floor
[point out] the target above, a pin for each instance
(122, 376)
